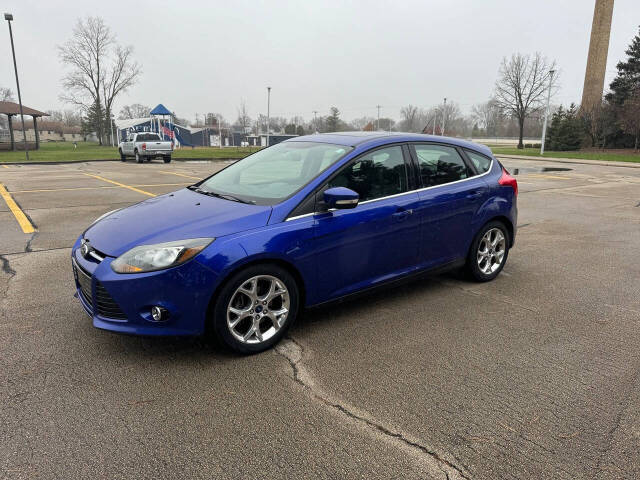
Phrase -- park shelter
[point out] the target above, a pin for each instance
(11, 109)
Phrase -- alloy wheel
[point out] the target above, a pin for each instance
(491, 251)
(258, 309)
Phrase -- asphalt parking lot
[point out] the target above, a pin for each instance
(535, 375)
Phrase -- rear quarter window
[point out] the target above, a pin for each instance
(481, 162)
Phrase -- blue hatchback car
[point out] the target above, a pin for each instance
(304, 222)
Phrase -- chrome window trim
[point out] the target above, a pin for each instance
(403, 193)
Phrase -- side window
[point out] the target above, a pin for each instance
(377, 174)
(440, 164)
(481, 162)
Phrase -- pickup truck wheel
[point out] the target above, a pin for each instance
(138, 157)
(122, 156)
(167, 159)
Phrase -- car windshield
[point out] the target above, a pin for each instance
(271, 175)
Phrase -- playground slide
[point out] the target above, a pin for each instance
(182, 142)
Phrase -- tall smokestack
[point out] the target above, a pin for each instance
(598, 50)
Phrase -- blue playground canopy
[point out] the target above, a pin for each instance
(160, 110)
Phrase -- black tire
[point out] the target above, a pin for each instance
(217, 321)
(167, 159)
(473, 268)
(139, 159)
(122, 156)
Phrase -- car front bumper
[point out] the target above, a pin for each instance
(122, 302)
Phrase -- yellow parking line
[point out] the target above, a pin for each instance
(181, 175)
(22, 219)
(5, 166)
(538, 175)
(121, 184)
(99, 188)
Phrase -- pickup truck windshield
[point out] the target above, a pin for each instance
(271, 175)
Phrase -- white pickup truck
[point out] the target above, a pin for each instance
(145, 146)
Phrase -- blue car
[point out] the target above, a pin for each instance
(305, 222)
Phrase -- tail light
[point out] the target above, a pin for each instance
(144, 146)
(507, 180)
(172, 146)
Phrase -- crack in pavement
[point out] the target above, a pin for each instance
(27, 247)
(6, 267)
(435, 462)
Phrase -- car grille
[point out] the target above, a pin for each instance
(105, 305)
(84, 281)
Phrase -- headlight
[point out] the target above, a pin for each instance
(147, 258)
(104, 215)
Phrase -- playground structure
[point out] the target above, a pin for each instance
(160, 121)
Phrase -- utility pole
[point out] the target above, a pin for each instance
(444, 115)
(9, 17)
(378, 107)
(111, 125)
(315, 120)
(546, 113)
(219, 132)
(268, 112)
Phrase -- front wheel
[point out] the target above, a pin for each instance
(167, 159)
(489, 252)
(122, 156)
(139, 158)
(255, 308)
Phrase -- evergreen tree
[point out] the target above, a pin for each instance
(628, 78)
(333, 120)
(567, 130)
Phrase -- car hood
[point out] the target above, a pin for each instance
(175, 216)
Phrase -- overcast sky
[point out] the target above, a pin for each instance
(205, 56)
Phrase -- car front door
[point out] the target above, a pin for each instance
(378, 239)
(450, 196)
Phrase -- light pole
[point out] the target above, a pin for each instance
(268, 111)
(546, 113)
(444, 116)
(315, 120)
(378, 107)
(9, 17)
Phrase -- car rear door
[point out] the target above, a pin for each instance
(451, 194)
(378, 239)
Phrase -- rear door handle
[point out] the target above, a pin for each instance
(473, 194)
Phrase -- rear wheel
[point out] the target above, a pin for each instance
(139, 159)
(489, 252)
(167, 159)
(255, 308)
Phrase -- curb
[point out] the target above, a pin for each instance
(63, 162)
(571, 160)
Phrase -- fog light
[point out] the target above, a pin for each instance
(159, 314)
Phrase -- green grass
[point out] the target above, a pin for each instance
(608, 155)
(64, 152)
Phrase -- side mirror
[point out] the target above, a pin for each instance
(341, 197)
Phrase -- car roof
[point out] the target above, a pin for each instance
(354, 139)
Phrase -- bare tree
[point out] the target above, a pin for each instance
(99, 69)
(410, 115)
(360, 123)
(521, 86)
(135, 110)
(630, 116)
(6, 95)
(244, 120)
(487, 116)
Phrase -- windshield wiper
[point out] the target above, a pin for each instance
(226, 196)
